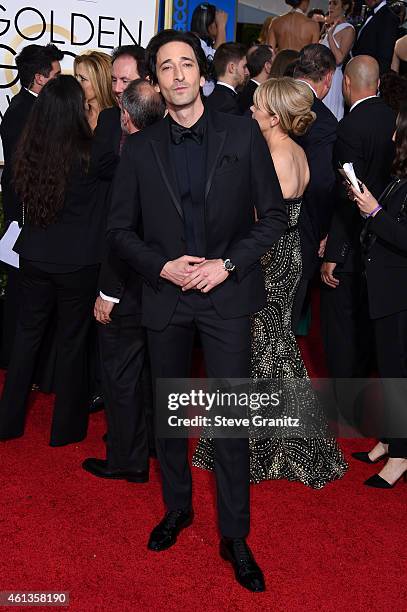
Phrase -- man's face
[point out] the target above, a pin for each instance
(241, 73)
(124, 70)
(178, 74)
(42, 80)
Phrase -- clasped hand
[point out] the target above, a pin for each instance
(197, 273)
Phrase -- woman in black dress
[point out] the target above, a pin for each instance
(59, 247)
(384, 241)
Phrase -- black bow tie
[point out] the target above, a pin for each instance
(179, 133)
(369, 13)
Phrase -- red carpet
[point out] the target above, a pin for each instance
(341, 548)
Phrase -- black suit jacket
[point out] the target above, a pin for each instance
(378, 38)
(116, 278)
(386, 259)
(223, 100)
(11, 129)
(316, 211)
(77, 236)
(365, 139)
(240, 178)
(245, 97)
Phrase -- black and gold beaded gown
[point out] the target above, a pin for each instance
(275, 354)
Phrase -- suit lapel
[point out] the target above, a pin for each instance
(161, 148)
(216, 139)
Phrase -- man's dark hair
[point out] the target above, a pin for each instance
(226, 53)
(314, 62)
(400, 160)
(393, 90)
(202, 17)
(315, 11)
(168, 36)
(144, 105)
(36, 59)
(56, 139)
(137, 52)
(257, 58)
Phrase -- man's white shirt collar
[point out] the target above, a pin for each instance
(379, 6)
(31, 92)
(375, 10)
(254, 81)
(359, 101)
(226, 85)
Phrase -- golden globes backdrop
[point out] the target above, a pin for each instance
(74, 26)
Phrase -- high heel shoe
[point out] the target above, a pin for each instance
(363, 456)
(378, 482)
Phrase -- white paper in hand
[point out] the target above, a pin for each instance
(7, 243)
(350, 173)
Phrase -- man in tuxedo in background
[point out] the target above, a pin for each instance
(122, 339)
(196, 178)
(378, 34)
(230, 67)
(259, 60)
(365, 139)
(316, 66)
(128, 65)
(36, 65)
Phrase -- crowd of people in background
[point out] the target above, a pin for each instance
(195, 185)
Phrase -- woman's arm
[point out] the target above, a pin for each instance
(220, 20)
(382, 224)
(345, 39)
(400, 53)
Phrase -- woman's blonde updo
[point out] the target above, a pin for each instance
(290, 100)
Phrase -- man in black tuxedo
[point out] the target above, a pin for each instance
(36, 65)
(128, 64)
(196, 179)
(230, 67)
(365, 139)
(316, 66)
(127, 392)
(378, 34)
(259, 60)
(121, 337)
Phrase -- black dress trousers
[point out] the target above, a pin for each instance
(391, 351)
(226, 349)
(122, 352)
(73, 294)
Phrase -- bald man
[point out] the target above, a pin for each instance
(364, 138)
(294, 30)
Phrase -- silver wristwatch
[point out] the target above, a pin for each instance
(228, 265)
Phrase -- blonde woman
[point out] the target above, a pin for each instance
(93, 70)
(282, 108)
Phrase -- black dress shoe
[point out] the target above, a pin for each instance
(247, 572)
(363, 456)
(165, 534)
(378, 482)
(99, 467)
(96, 404)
